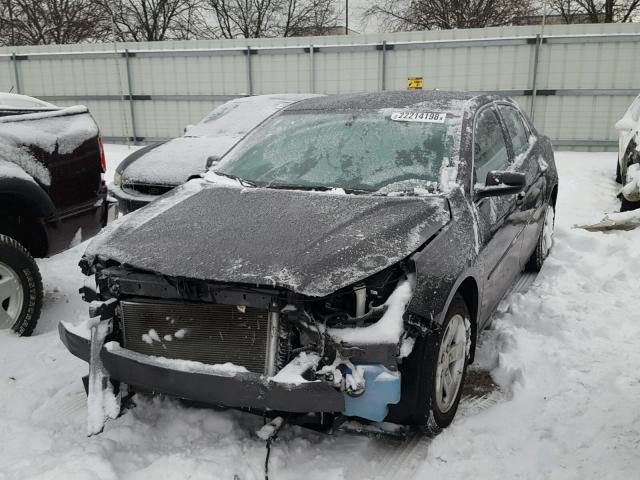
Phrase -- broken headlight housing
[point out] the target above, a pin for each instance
(360, 304)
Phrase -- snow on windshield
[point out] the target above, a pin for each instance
(386, 151)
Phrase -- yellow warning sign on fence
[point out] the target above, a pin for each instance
(414, 83)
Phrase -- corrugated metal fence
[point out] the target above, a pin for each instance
(575, 80)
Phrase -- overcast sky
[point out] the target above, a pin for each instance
(356, 7)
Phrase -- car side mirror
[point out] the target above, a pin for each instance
(212, 160)
(499, 184)
(625, 124)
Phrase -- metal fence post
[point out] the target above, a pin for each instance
(534, 88)
(312, 71)
(15, 71)
(133, 118)
(384, 65)
(249, 77)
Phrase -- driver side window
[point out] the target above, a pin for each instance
(490, 149)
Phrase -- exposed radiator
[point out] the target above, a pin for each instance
(203, 332)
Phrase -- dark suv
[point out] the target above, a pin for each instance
(52, 196)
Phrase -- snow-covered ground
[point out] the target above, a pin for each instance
(564, 354)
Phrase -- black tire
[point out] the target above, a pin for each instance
(540, 254)
(17, 259)
(430, 419)
(627, 206)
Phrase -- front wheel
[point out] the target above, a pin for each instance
(445, 366)
(20, 288)
(545, 242)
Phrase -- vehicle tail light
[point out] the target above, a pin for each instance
(103, 159)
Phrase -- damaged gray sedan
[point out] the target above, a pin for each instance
(339, 262)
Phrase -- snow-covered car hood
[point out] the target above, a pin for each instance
(175, 161)
(313, 243)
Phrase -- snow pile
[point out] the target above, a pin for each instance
(565, 354)
(631, 190)
(293, 371)
(190, 366)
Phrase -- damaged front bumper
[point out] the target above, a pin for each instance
(236, 390)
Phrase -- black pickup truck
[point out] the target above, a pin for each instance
(52, 196)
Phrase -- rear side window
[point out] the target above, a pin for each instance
(490, 149)
(515, 128)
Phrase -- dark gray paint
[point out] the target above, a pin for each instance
(310, 242)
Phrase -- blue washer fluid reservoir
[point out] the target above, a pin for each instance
(382, 388)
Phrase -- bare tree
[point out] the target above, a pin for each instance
(445, 14)
(41, 22)
(310, 17)
(272, 18)
(609, 11)
(150, 20)
(568, 10)
(591, 11)
(245, 18)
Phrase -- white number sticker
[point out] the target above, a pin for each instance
(430, 117)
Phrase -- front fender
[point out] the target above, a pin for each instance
(443, 265)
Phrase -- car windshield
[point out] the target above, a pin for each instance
(373, 151)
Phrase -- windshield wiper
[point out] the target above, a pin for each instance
(242, 181)
(319, 188)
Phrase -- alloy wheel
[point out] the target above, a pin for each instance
(11, 296)
(451, 360)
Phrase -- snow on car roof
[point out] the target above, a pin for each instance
(380, 100)
(15, 101)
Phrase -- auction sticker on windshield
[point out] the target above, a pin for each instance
(431, 117)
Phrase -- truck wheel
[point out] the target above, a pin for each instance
(545, 242)
(20, 288)
(446, 355)
(627, 206)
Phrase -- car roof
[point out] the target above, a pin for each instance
(275, 98)
(22, 102)
(445, 100)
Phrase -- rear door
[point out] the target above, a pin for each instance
(527, 160)
(497, 216)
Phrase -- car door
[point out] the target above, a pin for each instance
(499, 231)
(527, 160)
